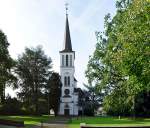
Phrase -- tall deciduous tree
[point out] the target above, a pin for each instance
(6, 64)
(120, 64)
(54, 92)
(33, 69)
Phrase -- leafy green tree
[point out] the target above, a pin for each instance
(93, 99)
(6, 64)
(54, 85)
(120, 64)
(33, 69)
(130, 51)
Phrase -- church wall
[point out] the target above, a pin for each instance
(75, 110)
(72, 107)
(69, 98)
(61, 109)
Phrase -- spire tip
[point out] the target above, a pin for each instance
(66, 5)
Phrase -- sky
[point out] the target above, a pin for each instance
(29, 23)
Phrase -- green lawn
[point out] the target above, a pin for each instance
(108, 121)
(28, 120)
(75, 123)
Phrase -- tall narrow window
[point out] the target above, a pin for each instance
(65, 81)
(68, 81)
(66, 60)
(70, 60)
(62, 60)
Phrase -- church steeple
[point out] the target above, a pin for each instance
(69, 97)
(67, 46)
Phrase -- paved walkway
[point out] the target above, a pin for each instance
(60, 122)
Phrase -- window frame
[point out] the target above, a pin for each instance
(70, 60)
(63, 58)
(67, 58)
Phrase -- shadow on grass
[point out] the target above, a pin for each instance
(29, 121)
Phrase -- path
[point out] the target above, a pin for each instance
(59, 122)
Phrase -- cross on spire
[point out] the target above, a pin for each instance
(67, 39)
(66, 5)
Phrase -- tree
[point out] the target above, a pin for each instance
(93, 99)
(130, 51)
(120, 63)
(33, 69)
(55, 85)
(6, 64)
(81, 100)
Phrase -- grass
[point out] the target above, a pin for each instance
(28, 120)
(109, 121)
(75, 123)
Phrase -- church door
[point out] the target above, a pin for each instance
(66, 112)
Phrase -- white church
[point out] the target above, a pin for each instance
(69, 93)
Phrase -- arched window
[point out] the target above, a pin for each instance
(67, 92)
(70, 60)
(68, 81)
(66, 60)
(65, 81)
(62, 60)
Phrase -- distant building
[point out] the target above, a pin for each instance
(69, 96)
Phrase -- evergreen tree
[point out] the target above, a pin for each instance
(6, 64)
(33, 69)
(54, 85)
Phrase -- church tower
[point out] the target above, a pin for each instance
(69, 95)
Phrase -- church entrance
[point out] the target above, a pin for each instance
(66, 112)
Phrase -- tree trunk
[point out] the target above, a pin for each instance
(3, 94)
(36, 101)
(133, 107)
(48, 112)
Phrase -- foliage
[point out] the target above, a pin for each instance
(11, 106)
(89, 100)
(33, 69)
(92, 99)
(6, 64)
(54, 85)
(120, 64)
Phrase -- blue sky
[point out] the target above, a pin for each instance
(28, 23)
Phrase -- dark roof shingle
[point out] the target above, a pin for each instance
(67, 39)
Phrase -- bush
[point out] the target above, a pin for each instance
(11, 106)
(88, 112)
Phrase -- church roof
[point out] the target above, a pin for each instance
(75, 79)
(67, 39)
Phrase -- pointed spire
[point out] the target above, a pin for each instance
(66, 8)
(67, 39)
